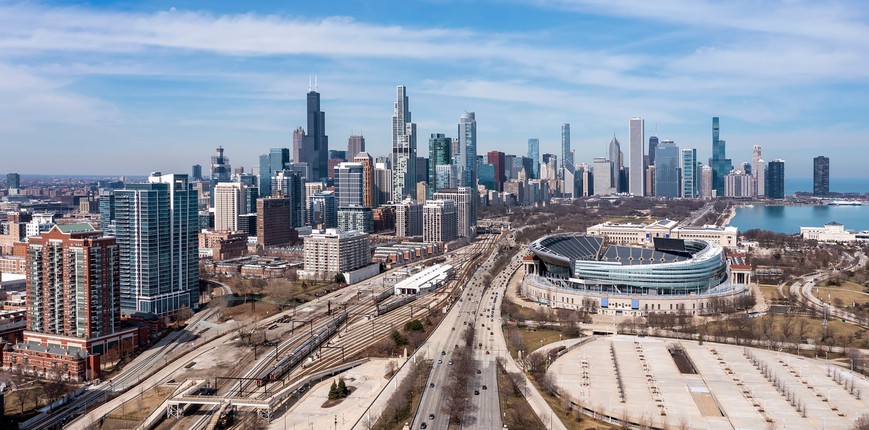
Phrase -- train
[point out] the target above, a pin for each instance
(297, 355)
(394, 304)
(383, 295)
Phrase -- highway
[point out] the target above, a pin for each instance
(448, 336)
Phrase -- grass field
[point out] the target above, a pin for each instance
(770, 293)
(533, 339)
(849, 293)
(814, 329)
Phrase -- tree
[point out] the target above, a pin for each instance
(333, 391)
(398, 338)
(343, 391)
(413, 325)
(54, 390)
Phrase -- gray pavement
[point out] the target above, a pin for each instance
(734, 386)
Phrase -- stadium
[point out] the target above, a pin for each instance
(575, 270)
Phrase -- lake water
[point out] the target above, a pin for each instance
(789, 219)
(837, 185)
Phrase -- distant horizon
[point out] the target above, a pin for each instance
(113, 85)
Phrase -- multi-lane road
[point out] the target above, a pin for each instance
(474, 311)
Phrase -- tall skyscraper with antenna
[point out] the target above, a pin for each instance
(315, 143)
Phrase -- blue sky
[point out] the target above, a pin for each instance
(133, 87)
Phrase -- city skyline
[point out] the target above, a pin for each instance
(123, 84)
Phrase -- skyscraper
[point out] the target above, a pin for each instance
(565, 145)
(157, 230)
(468, 148)
(382, 185)
(75, 289)
(197, 173)
(496, 158)
(368, 197)
(721, 165)
(221, 171)
(13, 181)
(468, 156)
(821, 176)
(463, 197)
(653, 145)
(408, 218)
(636, 186)
(289, 184)
(227, 206)
(276, 160)
(615, 157)
(602, 176)
(273, 221)
(689, 173)
(315, 141)
(534, 155)
(757, 170)
(439, 154)
(300, 155)
(349, 184)
(403, 147)
(775, 179)
(323, 210)
(439, 221)
(355, 145)
(667, 169)
(706, 190)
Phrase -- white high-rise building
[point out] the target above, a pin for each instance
(738, 184)
(760, 178)
(332, 251)
(403, 148)
(602, 174)
(707, 191)
(227, 206)
(756, 170)
(439, 221)
(468, 155)
(463, 197)
(637, 172)
(688, 161)
(408, 218)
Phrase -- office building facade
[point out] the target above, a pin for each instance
(355, 145)
(636, 130)
(157, 224)
(439, 221)
(439, 154)
(403, 147)
(775, 179)
(534, 155)
(689, 187)
(667, 169)
(821, 176)
(227, 206)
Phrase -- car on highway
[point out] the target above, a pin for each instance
(476, 392)
(485, 387)
(479, 371)
(423, 426)
(440, 361)
(431, 384)
(450, 363)
(431, 416)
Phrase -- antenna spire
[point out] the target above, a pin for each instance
(309, 83)
(316, 86)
